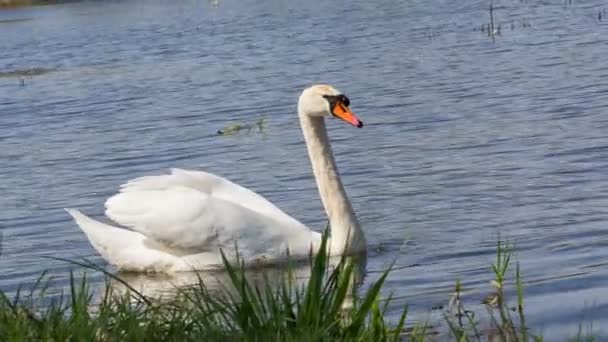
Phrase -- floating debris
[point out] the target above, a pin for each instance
(25, 72)
(237, 127)
(17, 20)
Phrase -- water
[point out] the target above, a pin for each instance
(466, 139)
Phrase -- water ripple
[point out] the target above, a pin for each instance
(466, 139)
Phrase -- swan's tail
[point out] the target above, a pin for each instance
(123, 248)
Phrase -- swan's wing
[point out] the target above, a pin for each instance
(212, 185)
(189, 222)
(199, 212)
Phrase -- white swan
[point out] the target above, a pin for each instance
(180, 221)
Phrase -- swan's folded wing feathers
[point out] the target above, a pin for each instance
(186, 219)
(177, 178)
(212, 185)
(168, 207)
(175, 216)
(222, 188)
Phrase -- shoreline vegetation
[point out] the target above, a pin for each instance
(25, 3)
(326, 308)
(15, 3)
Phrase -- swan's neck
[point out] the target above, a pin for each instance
(346, 234)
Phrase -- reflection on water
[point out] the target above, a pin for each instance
(168, 285)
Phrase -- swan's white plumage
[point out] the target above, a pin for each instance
(127, 250)
(205, 183)
(180, 221)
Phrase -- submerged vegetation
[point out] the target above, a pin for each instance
(25, 72)
(326, 308)
(235, 128)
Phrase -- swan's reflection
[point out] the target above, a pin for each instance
(163, 286)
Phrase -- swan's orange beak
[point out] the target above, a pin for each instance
(344, 113)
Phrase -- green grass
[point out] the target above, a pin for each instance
(325, 308)
(503, 325)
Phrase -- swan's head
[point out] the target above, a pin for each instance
(324, 100)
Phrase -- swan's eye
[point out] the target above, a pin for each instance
(337, 98)
(345, 101)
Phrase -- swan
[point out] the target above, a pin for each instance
(180, 221)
